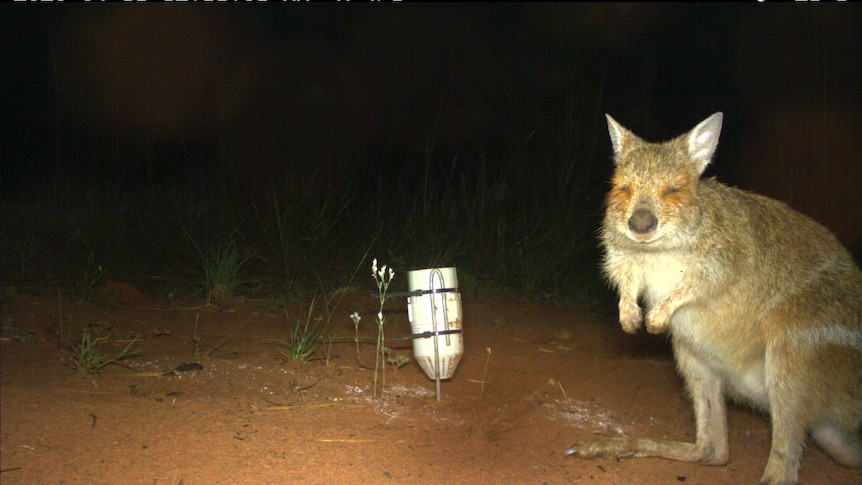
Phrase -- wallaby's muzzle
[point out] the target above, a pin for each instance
(642, 221)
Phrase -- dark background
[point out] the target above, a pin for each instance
(247, 101)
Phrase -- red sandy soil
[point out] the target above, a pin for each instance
(534, 380)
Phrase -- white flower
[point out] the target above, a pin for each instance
(355, 317)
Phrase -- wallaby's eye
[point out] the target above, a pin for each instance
(676, 194)
(621, 190)
(619, 195)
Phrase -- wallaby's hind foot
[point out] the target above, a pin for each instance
(618, 448)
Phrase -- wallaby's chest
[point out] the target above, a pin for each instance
(654, 274)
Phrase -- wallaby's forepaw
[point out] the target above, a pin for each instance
(658, 318)
(631, 317)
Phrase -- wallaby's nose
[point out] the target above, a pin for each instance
(642, 221)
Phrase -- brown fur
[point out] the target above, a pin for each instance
(762, 304)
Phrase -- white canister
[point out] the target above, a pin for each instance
(437, 303)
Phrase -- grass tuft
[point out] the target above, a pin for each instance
(222, 272)
(305, 335)
(88, 357)
(82, 290)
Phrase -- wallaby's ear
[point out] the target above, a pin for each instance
(618, 135)
(703, 140)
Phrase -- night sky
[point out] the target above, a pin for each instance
(144, 94)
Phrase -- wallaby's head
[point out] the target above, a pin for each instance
(654, 186)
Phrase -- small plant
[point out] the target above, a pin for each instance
(499, 321)
(327, 356)
(467, 282)
(355, 317)
(551, 383)
(195, 338)
(382, 277)
(83, 290)
(171, 301)
(63, 332)
(22, 255)
(396, 361)
(273, 304)
(304, 337)
(222, 272)
(532, 267)
(484, 373)
(284, 228)
(88, 355)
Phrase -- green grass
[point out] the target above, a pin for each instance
(222, 269)
(305, 335)
(88, 357)
(83, 288)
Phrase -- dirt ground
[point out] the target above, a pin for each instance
(534, 380)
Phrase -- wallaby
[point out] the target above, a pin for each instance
(761, 304)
